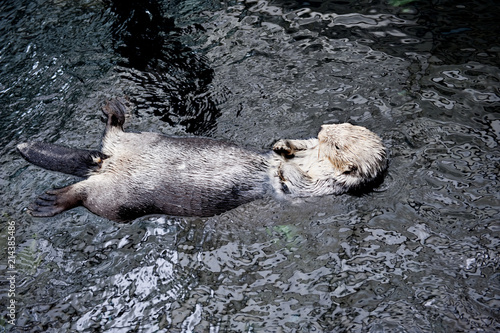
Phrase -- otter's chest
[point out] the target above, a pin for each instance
(311, 163)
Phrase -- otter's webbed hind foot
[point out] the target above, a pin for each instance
(54, 202)
(78, 162)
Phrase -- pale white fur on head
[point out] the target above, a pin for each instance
(343, 158)
(354, 150)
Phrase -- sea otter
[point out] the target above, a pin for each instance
(136, 174)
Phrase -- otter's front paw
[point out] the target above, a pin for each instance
(284, 148)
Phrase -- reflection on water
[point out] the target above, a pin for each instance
(420, 254)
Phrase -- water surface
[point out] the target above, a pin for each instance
(419, 254)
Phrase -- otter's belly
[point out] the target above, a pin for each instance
(174, 176)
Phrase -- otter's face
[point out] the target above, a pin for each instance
(356, 154)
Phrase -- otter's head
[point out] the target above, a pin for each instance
(357, 155)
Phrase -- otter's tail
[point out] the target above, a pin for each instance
(78, 162)
(115, 111)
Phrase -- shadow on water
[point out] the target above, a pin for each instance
(65, 58)
(419, 254)
(169, 79)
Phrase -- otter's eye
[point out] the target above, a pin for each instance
(336, 146)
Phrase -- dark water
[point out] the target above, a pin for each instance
(420, 254)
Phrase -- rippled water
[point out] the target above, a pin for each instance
(420, 254)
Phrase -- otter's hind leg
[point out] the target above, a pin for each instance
(56, 201)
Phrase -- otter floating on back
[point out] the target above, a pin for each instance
(137, 174)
